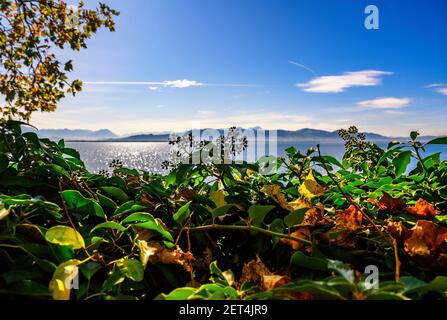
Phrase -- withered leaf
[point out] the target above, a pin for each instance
(423, 209)
(388, 203)
(156, 252)
(347, 222)
(274, 281)
(350, 218)
(397, 229)
(426, 238)
(186, 193)
(301, 233)
(254, 271)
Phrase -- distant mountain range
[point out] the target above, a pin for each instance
(73, 134)
(301, 135)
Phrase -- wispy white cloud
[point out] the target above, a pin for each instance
(440, 87)
(303, 66)
(180, 84)
(385, 103)
(395, 112)
(434, 85)
(339, 83)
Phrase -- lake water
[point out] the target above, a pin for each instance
(148, 156)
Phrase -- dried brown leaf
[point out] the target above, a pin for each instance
(388, 203)
(301, 233)
(274, 281)
(423, 209)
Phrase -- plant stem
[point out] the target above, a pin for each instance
(248, 228)
(418, 154)
(387, 237)
(345, 195)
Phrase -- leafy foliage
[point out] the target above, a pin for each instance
(307, 231)
(31, 76)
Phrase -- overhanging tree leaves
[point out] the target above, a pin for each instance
(31, 31)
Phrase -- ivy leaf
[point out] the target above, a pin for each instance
(257, 214)
(313, 263)
(116, 193)
(65, 236)
(218, 198)
(310, 188)
(152, 224)
(77, 202)
(109, 225)
(179, 294)
(182, 214)
(295, 217)
(221, 211)
(132, 269)
(3, 212)
(60, 284)
(401, 162)
(442, 140)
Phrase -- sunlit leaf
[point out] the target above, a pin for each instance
(63, 278)
(65, 236)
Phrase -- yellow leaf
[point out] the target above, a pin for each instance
(61, 282)
(274, 191)
(3, 213)
(310, 188)
(65, 236)
(218, 197)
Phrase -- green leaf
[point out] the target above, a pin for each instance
(342, 269)
(182, 214)
(132, 269)
(89, 269)
(116, 193)
(300, 259)
(221, 211)
(109, 225)
(106, 202)
(257, 214)
(332, 160)
(128, 207)
(401, 162)
(152, 224)
(442, 140)
(138, 217)
(414, 135)
(65, 236)
(295, 217)
(214, 269)
(179, 294)
(114, 279)
(77, 202)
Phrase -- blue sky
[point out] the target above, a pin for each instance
(177, 64)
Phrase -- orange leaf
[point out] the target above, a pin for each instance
(273, 281)
(350, 218)
(301, 233)
(398, 230)
(426, 238)
(389, 203)
(423, 209)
